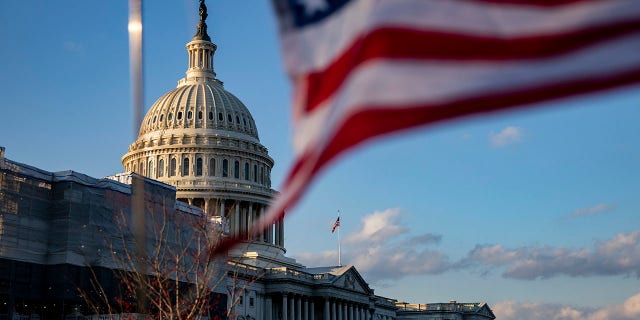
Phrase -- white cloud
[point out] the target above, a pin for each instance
(599, 208)
(617, 256)
(378, 226)
(507, 136)
(510, 310)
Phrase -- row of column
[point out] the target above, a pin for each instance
(241, 215)
(298, 307)
(344, 310)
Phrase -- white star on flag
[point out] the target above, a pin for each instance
(311, 6)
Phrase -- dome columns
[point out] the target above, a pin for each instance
(201, 59)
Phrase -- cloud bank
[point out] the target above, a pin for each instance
(599, 208)
(385, 249)
(510, 310)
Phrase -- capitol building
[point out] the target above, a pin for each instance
(198, 150)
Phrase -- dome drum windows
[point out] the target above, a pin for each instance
(220, 116)
(161, 168)
(172, 167)
(210, 115)
(236, 169)
(246, 171)
(199, 167)
(189, 114)
(179, 117)
(185, 167)
(199, 115)
(229, 118)
(225, 168)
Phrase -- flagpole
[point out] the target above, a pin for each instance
(339, 244)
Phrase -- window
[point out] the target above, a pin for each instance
(200, 115)
(185, 167)
(237, 120)
(255, 173)
(179, 115)
(236, 169)
(172, 167)
(170, 116)
(210, 115)
(220, 118)
(244, 120)
(161, 117)
(251, 302)
(189, 115)
(240, 300)
(229, 118)
(161, 168)
(150, 168)
(154, 119)
(199, 167)
(225, 168)
(261, 175)
(212, 167)
(246, 170)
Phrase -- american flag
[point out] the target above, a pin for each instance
(365, 68)
(335, 225)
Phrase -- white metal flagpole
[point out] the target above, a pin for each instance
(339, 244)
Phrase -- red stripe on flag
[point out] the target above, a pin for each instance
(400, 43)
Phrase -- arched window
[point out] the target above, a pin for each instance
(199, 167)
(220, 117)
(212, 167)
(185, 167)
(229, 118)
(161, 168)
(135, 168)
(200, 115)
(170, 116)
(172, 167)
(236, 169)
(225, 168)
(237, 120)
(189, 115)
(210, 115)
(246, 171)
(151, 169)
(261, 175)
(255, 173)
(161, 117)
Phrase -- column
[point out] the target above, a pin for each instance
(237, 218)
(276, 227)
(305, 315)
(284, 307)
(292, 305)
(298, 307)
(344, 311)
(312, 311)
(339, 309)
(269, 309)
(351, 312)
(206, 205)
(326, 315)
(281, 232)
(250, 220)
(333, 310)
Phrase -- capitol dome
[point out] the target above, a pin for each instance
(202, 139)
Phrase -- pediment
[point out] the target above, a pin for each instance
(486, 311)
(351, 279)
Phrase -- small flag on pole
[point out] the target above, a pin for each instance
(335, 225)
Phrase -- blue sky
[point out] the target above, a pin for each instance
(536, 207)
